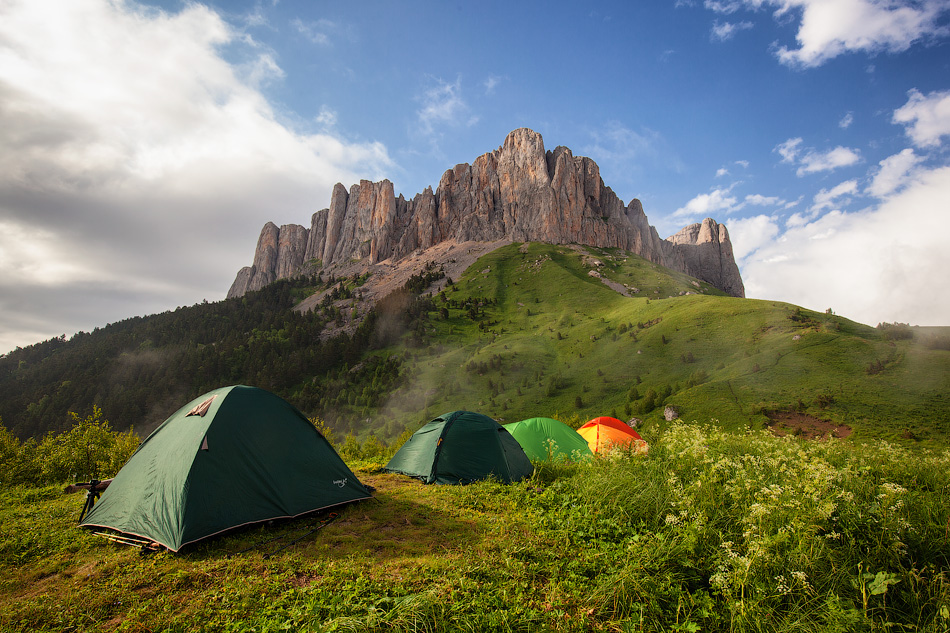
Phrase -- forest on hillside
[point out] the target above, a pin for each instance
(140, 370)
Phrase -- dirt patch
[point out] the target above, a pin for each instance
(301, 580)
(616, 287)
(784, 423)
(386, 276)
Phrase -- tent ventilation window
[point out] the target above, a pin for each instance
(204, 443)
(202, 408)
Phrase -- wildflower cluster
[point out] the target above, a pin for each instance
(771, 523)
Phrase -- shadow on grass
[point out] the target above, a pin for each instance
(404, 519)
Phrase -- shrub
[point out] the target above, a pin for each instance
(895, 331)
(89, 450)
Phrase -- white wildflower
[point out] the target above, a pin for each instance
(893, 489)
(782, 587)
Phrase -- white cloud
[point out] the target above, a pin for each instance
(491, 82)
(705, 204)
(759, 200)
(321, 32)
(846, 121)
(326, 118)
(798, 219)
(830, 28)
(262, 69)
(723, 7)
(823, 200)
(443, 105)
(789, 149)
(927, 119)
(894, 172)
(888, 260)
(833, 27)
(724, 171)
(812, 161)
(256, 18)
(31, 254)
(138, 166)
(828, 161)
(722, 31)
(750, 234)
(826, 197)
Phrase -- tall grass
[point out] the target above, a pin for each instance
(752, 532)
(711, 531)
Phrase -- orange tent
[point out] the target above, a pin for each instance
(605, 432)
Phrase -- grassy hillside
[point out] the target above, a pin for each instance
(532, 329)
(550, 339)
(711, 531)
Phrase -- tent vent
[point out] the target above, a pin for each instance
(204, 443)
(202, 408)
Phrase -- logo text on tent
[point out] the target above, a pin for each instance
(340, 482)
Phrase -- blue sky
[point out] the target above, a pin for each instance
(144, 145)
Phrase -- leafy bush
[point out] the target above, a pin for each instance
(896, 331)
(89, 450)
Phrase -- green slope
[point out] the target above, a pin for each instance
(550, 339)
(526, 331)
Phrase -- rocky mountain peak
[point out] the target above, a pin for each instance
(518, 192)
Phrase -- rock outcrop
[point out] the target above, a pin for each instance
(518, 192)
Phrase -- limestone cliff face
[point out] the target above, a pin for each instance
(279, 254)
(705, 252)
(519, 192)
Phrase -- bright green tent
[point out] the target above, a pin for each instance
(232, 457)
(459, 448)
(544, 439)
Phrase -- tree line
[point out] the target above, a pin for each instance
(142, 369)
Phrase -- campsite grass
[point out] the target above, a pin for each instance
(711, 531)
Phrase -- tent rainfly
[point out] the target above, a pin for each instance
(544, 439)
(605, 433)
(459, 448)
(232, 457)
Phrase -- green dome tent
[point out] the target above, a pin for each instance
(232, 457)
(459, 448)
(544, 439)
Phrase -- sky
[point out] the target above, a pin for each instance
(143, 145)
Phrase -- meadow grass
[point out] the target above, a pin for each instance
(710, 531)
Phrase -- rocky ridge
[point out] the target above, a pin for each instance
(519, 192)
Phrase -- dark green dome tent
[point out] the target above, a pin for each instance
(234, 456)
(459, 448)
(545, 439)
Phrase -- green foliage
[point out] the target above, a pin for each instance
(323, 429)
(17, 465)
(709, 531)
(896, 331)
(89, 450)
